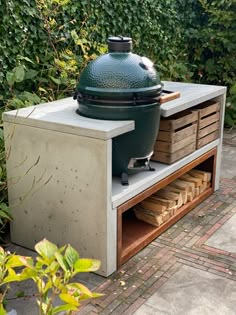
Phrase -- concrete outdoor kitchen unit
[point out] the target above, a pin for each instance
(59, 168)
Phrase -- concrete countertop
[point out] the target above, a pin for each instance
(61, 116)
(190, 95)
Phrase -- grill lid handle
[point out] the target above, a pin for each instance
(119, 44)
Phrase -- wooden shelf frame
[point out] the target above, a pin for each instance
(135, 235)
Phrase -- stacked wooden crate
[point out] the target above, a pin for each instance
(208, 122)
(176, 137)
(162, 205)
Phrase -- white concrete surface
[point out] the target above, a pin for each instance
(61, 116)
(190, 95)
(59, 188)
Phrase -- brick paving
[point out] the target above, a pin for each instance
(182, 244)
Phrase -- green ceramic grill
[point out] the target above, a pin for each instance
(121, 85)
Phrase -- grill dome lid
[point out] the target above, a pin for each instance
(119, 74)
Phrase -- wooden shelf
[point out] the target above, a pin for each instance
(137, 234)
(134, 234)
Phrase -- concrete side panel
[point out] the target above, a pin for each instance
(221, 99)
(60, 189)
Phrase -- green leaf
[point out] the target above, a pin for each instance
(55, 80)
(79, 288)
(62, 261)
(24, 275)
(52, 267)
(30, 74)
(26, 59)
(65, 307)
(228, 120)
(2, 252)
(20, 294)
(2, 310)
(43, 308)
(16, 261)
(19, 73)
(11, 78)
(233, 89)
(67, 298)
(5, 215)
(46, 249)
(1, 134)
(97, 295)
(29, 97)
(86, 265)
(16, 103)
(71, 255)
(4, 211)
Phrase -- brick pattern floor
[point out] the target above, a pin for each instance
(182, 244)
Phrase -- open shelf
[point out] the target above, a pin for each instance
(140, 181)
(134, 234)
(137, 234)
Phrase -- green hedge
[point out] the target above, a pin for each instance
(45, 44)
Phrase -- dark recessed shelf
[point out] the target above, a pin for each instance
(134, 234)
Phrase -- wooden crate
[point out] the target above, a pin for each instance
(208, 122)
(176, 137)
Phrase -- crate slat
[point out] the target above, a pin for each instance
(207, 108)
(173, 147)
(179, 120)
(205, 140)
(209, 129)
(170, 158)
(173, 137)
(209, 120)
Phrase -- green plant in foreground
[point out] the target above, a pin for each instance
(52, 272)
(5, 214)
(7, 262)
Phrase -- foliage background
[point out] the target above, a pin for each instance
(46, 43)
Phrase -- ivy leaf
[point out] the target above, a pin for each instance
(55, 80)
(11, 79)
(30, 74)
(29, 98)
(1, 134)
(233, 89)
(26, 59)
(228, 120)
(19, 73)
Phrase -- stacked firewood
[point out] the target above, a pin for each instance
(166, 202)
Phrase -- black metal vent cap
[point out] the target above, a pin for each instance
(119, 44)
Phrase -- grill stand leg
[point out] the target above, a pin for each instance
(151, 168)
(124, 179)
